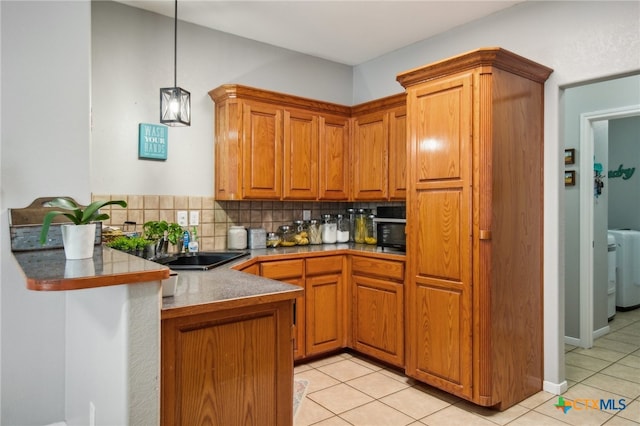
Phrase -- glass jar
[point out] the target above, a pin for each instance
(273, 240)
(329, 229)
(342, 229)
(287, 236)
(371, 232)
(351, 218)
(301, 235)
(360, 230)
(314, 231)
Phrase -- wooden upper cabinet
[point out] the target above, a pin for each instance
(370, 156)
(474, 225)
(273, 146)
(334, 158)
(398, 153)
(261, 151)
(379, 149)
(268, 146)
(300, 155)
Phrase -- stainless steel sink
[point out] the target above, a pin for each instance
(200, 261)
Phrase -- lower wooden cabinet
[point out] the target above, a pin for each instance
(231, 367)
(292, 272)
(378, 308)
(325, 304)
(320, 313)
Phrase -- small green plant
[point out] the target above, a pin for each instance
(74, 212)
(121, 243)
(154, 230)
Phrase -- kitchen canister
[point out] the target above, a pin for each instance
(257, 238)
(237, 238)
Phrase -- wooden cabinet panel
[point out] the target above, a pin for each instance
(228, 368)
(398, 153)
(325, 313)
(292, 272)
(392, 269)
(378, 318)
(439, 352)
(334, 158)
(300, 171)
(262, 151)
(325, 304)
(370, 152)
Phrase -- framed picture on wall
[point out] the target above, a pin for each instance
(569, 156)
(569, 177)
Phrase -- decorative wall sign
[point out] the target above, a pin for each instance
(569, 177)
(624, 173)
(153, 141)
(569, 156)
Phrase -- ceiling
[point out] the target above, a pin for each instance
(348, 31)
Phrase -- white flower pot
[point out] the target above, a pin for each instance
(78, 240)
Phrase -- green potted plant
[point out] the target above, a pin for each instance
(155, 230)
(77, 238)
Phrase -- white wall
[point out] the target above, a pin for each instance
(624, 201)
(45, 151)
(581, 41)
(133, 57)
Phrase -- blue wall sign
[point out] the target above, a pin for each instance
(152, 141)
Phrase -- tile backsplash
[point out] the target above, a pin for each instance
(217, 216)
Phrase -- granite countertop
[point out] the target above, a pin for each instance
(226, 288)
(49, 270)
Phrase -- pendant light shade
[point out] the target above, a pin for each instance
(175, 102)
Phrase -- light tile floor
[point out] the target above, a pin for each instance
(347, 389)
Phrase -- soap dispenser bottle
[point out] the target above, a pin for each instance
(193, 241)
(185, 240)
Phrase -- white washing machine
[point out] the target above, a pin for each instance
(628, 269)
(611, 276)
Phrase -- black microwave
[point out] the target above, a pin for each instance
(390, 227)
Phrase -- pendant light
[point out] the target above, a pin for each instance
(175, 102)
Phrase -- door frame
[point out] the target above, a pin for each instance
(586, 213)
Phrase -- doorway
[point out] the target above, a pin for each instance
(587, 218)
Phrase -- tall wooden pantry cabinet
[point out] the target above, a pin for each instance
(475, 225)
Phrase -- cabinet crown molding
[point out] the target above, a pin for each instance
(488, 56)
(237, 91)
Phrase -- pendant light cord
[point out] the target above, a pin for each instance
(175, 45)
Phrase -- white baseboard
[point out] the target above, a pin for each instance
(555, 388)
(572, 341)
(601, 332)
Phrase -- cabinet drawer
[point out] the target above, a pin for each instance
(377, 267)
(282, 269)
(324, 265)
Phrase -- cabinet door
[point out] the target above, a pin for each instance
(230, 367)
(370, 151)
(378, 326)
(325, 307)
(439, 217)
(300, 160)
(398, 154)
(261, 151)
(292, 272)
(334, 158)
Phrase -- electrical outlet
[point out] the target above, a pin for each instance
(306, 214)
(194, 217)
(182, 218)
